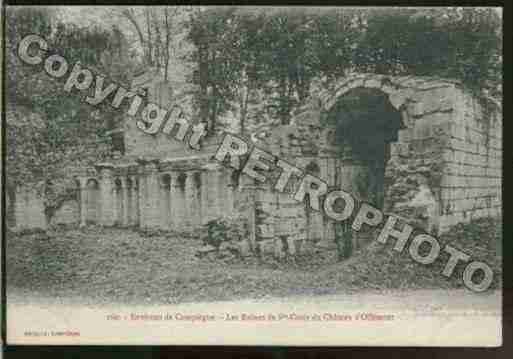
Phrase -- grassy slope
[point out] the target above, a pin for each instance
(112, 265)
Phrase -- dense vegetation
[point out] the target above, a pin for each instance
(280, 53)
(48, 131)
(258, 64)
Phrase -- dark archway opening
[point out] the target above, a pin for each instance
(366, 124)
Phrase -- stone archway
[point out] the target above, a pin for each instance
(365, 124)
(430, 109)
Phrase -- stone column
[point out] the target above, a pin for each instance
(189, 200)
(233, 192)
(185, 204)
(213, 190)
(141, 200)
(192, 202)
(83, 201)
(199, 198)
(152, 208)
(204, 197)
(173, 196)
(227, 199)
(107, 196)
(210, 197)
(179, 204)
(124, 191)
(135, 201)
(164, 200)
(247, 207)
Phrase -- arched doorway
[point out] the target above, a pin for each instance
(366, 124)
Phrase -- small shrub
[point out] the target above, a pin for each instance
(225, 229)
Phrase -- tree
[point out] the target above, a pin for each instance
(460, 43)
(157, 32)
(277, 54)
(47, 131)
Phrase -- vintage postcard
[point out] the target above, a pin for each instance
(237, 175)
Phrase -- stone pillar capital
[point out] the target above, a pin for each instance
(123, 181)
(175, 180)
(134, 180)
(106, 173)
(151, 167)
(82, 182)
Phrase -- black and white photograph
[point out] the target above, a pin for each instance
(253, 175)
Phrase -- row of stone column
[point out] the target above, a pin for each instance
(127, 201)
(115, 201)
(176, 200)
(188, 199)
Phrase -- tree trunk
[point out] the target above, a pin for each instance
(130, 17)
(167, 56)
(214, 105)
(244, 110)
(203, 82)
(148, 31)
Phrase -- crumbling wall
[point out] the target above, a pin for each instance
(29, 209)
(471, 185)
(179, 194)
(443, 167)
(68, 213)
(282, 225)
(165, 94)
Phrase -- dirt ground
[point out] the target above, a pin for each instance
(109, 265)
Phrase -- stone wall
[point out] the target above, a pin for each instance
(68, 213)
(166, 95)
(440, 165)
(283, 226)
(444, 167)
(471, 186)
(28, 209)
(179, 194)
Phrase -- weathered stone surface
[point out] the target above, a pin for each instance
(442, 166)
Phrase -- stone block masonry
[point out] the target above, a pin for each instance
(441, 167)
(472, 182)
(425, 149)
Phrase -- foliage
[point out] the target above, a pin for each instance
(111, 265)
(281, 53)
(48, 131)
(461, 43)
(383, 267)
(224, 229)
(259, 63)
(156, 32)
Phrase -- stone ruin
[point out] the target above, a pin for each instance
(425, 149)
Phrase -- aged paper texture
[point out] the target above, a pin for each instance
(253, 175)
